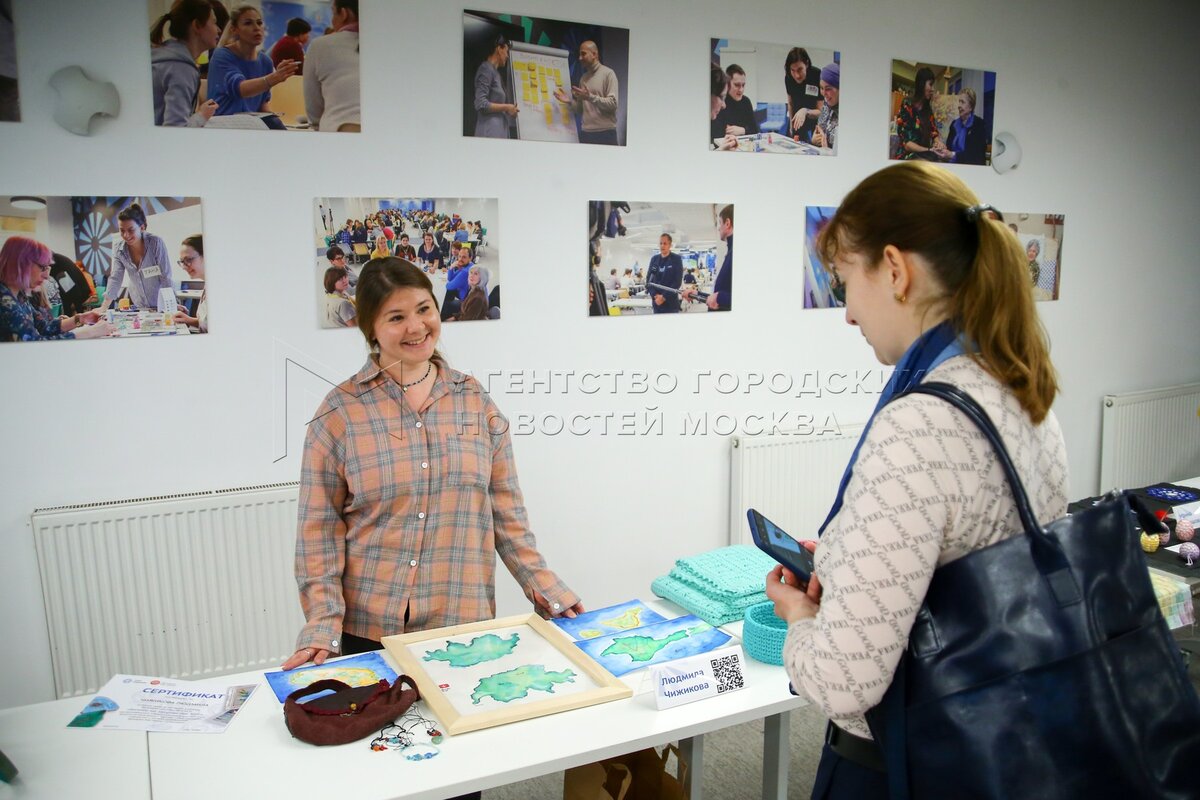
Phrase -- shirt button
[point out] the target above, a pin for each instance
(424, 465)
(334, 644)
(420, 515)
(418, 424)
(557, 606)
(412, 563)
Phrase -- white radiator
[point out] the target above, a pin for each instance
(791, 479)
(186, 586)
(1148, 437)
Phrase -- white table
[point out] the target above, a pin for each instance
(57, 762)
(257, 757)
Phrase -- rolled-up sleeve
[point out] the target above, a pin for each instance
(321, 530)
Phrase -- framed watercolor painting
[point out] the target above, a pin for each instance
(498, 671)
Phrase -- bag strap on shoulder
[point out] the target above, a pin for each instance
(1049, 558)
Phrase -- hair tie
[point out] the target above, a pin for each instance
(975, 212)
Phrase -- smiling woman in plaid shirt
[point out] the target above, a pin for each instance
(408, 489)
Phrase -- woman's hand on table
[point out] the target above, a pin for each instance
(96, 331)
(544, 608)
(304, 655)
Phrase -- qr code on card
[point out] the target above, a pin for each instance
(727, 670)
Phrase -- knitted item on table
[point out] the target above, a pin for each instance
(717, 586)
(1149, 542)
(1189, 552)
(714, 612)
(1185, 530)
(763, 634)
(727, 573)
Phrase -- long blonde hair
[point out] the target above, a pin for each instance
(977, 262)
(235, 13)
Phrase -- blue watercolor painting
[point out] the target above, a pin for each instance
(360, 670)
(614, 619)
(624, 652)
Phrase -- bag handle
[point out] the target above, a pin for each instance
(1047, 555)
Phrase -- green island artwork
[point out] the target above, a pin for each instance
(645, 648)
(488, 647)
(515, 684)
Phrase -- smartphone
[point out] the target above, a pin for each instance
(772, 540)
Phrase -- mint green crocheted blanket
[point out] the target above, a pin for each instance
(717, 586)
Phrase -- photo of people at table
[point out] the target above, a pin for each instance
(453, 240)
(101, 267)
(941, 114)
(269, 65)
(659, 258)
(773, 98)
(10, 105)
(1039, 237)
(544, 80)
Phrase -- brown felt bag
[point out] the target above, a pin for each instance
(350, 713)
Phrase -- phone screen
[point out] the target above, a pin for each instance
(773, 541)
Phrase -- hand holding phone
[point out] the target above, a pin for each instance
(773, 541)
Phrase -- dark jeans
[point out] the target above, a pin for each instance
(841, 779)
(598, 137)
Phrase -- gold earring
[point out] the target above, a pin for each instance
(900, 298)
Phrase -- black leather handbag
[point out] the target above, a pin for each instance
(1041, 666)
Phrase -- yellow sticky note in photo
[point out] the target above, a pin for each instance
(566, 115)
(558, 75)
(549, 115)
(532, 67)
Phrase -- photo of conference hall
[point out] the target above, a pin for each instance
(454, 240)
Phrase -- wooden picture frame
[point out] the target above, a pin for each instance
(598, 685)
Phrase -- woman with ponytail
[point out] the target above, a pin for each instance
(939, 287)
(178, 38)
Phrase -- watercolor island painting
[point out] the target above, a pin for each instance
(499, 671)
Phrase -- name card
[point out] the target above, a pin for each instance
(698, 677)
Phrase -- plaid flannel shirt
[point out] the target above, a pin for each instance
(405, 512)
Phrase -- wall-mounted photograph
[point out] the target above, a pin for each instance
(659, 258)
(269, 65)
(544, 80)
(941, 114)
(10, 100)
(773, 98)
(1040, 236)
(455, 240)
(101, 267)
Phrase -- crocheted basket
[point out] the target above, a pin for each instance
(763, 634)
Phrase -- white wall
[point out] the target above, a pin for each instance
(612, 512)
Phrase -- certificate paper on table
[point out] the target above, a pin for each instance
(144, 703)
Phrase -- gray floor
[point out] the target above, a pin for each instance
(733, 757)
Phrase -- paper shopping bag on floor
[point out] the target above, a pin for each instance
(598, 781)
(646, 777)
